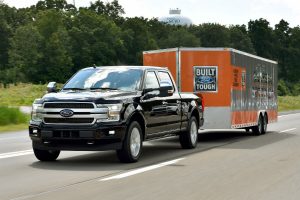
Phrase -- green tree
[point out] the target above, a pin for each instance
(5, 34)
(56, 61)
(181, 38)
(281, 47)
(138, 38)
(239, 39)
(292, 66)
(111, 9)
(54, 4)
(95, 40)
(41, 49)
(262, 37)
(25, 55)
(212, 35)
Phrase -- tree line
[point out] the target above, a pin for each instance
(53, 39)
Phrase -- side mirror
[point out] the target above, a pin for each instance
(51, 87)
(150, 93)
(166, 91)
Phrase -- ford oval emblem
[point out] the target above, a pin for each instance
(66, 113)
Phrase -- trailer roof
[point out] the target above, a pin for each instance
(209, 49)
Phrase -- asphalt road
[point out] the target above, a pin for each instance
(226, 165)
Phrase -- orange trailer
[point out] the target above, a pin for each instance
(239, 89)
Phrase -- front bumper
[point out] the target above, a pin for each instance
(96, 137)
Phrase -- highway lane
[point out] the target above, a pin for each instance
(226, 165)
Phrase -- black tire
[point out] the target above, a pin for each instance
(189, 138)
(247, 130)
(258, 130)
(131, 152)
(46, 155)
(265, 124)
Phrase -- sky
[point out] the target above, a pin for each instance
(225, 12)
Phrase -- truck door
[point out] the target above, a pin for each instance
(154, 109)
(172, 102)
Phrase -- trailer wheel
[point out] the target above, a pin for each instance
(265, 124)
(132, 145)
(46, 155)
(189, 138)
(258, 130)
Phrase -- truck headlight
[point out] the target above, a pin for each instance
(114, 111)
(36, 113)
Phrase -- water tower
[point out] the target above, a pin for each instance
(175, 18)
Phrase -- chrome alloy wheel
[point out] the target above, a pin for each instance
(265, 124)
(260, 125)
(135, 142)
(194, 132)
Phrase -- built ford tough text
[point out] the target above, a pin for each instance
(113, 108)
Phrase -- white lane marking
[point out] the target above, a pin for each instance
(12, 138)
(291, 129)
(141, 170)
(288, 115)
(15, 154)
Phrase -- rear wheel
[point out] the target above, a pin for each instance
(189, 138)
(132, 145)
(265, 124)
(46, 155)
(258, 130)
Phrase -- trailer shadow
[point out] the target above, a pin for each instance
(162, 150)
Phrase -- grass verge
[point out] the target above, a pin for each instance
(22, 94)
(288, 103)
(12, 119)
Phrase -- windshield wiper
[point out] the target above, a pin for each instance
(74, 89)
(103, 88)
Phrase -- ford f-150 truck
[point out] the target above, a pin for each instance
(113, 108)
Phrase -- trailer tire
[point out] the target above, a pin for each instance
(132, 144)
(265, 124)
(46, 155)
(258, 130)
(189, 138)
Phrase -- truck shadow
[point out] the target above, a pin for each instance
(163, 150)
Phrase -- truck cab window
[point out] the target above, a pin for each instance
(164, 79)
(151, 81)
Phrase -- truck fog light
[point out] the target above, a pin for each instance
(111, 132)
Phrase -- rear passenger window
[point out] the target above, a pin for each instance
(151, 81)
(164, 79)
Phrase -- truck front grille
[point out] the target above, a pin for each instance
(69, 105)
(84, 113)
(68, 120)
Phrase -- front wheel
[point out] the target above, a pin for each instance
(46, 155)
(132, 145)
(189, 138)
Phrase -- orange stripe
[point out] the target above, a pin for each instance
(245, 117)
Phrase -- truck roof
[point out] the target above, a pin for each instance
(130, 67)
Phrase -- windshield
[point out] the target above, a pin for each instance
(105, 78)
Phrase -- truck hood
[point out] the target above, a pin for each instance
(109, 96)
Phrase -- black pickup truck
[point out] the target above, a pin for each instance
(113, 108)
